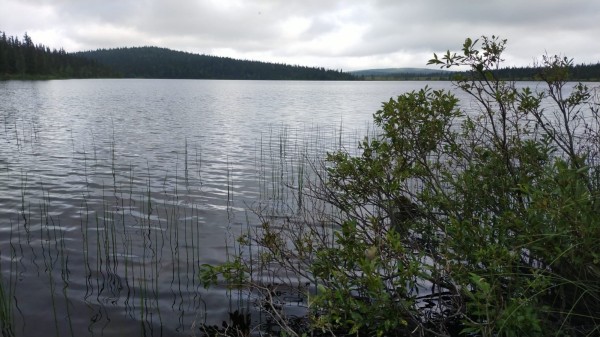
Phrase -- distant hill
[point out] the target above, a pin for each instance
(390, 71)
(155, 62)
(403, 74)
(22, 59)
(580, 72)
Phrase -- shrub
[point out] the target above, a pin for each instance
(476, 220)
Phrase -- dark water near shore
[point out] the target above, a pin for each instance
(114, 192)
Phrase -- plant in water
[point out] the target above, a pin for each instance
(6, 313)
(457, 218)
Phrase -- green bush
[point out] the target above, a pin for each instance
(478, 219)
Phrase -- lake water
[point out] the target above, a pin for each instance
(114, 192)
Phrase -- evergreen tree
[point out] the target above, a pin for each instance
(24, 59)
(154, 62)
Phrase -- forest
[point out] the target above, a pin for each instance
(155, 62)
(578, 72)
(22, 59)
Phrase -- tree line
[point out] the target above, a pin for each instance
(155, 62)
(22, 58)
(576, 72)
(412, 76)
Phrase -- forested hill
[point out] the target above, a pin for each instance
(155, 62)
(579, 72)
(404, 74)
(22, 59)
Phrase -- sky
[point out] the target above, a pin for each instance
(335, 34)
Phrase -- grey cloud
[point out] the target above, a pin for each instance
(441, 25)
(376, 31)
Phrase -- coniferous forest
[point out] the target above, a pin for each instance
(155, 62)
(22, 59)
(579, 72)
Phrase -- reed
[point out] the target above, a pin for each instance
(132, 239)
(7, 289)
(6, 310)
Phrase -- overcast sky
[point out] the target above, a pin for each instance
(348, 35)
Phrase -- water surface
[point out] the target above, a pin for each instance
(114, 192)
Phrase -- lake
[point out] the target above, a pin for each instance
(114, 192)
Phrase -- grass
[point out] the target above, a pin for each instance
(133, 245)
(6, 303)
(126, 237)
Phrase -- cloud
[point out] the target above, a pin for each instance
(329, 33)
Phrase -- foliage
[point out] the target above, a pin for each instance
(23, 59)
(6, 310)
(455, 219)
(576, 72)
(154, 62)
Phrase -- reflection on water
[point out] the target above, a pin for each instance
(114, 192)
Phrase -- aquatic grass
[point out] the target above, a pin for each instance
(52, 284)
(7, 292)
(137, 240)
(285, 168)
(65, 274)
(468, 245)
(51, 245)
(6, 310)
(106, 238)
(185, 156)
